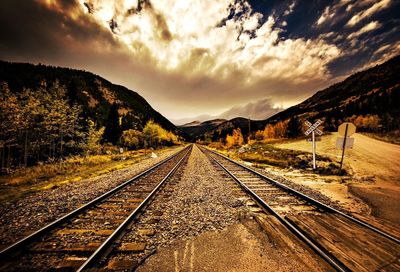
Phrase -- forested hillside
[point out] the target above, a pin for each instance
(50, 112)
(370, 99)
(196, 129)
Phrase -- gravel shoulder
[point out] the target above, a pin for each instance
(374, 184)
(19, 218)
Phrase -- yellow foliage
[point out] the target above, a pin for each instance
(236, 139)
(155, 135)
(368, 122)
(259, 135)
(269, 132)
(131, 138)
(276, 131)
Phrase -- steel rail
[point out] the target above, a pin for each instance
(17, 245)
(108, 243)
(329, 258)
(314, 201)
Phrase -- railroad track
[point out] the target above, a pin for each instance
(346, 243)
(80, 239)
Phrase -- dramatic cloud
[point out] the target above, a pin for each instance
(369, 27)
(257, 110)
(190, 58)
(377, 6)
(198, 38)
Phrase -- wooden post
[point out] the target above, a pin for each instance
(344, 146)
(26, 149)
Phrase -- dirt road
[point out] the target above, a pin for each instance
(375, 169)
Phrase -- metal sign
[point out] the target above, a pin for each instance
(346, 129)
(340, 142)
(313, 129)
(351, 129)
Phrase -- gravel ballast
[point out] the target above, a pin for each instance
(196, 200)
(34, 211)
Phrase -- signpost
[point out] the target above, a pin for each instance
(346, 130)
(313, 128)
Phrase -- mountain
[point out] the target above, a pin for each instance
(375, 91)
(191, 124)
(94, 94)
(196, 129)
(226, 127)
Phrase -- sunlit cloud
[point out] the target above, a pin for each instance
(199, 38)
(190, 58)
(367, 28)
(377, 6)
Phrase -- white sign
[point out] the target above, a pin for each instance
(340, 142)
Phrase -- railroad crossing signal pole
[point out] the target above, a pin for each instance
(313, 128)
(314, 165)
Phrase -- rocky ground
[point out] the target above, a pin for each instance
(205, 226)
(200, 221)
(26, 215)
(373, 186)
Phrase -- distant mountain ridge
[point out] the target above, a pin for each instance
(93, 93)
(191, 124)
(372, 91)
(195, 129)
(375, 91)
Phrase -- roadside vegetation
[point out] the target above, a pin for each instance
(258, 147)
(73, 169)
(44, 136)
(261, 152)
(392, 137)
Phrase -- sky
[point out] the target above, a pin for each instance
(202, 59)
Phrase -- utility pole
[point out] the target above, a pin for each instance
(248, 137)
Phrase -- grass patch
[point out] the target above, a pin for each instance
(392, 137)
(263, 154)
(51, 175)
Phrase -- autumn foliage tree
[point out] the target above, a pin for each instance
(37, 124)
(368, 122)
(153, 135)
(132, 138)
(273, 131)
(236, 139)
(91, 144)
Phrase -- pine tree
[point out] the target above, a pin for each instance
(112, 132)
(293, 128)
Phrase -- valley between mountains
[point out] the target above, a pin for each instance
(92, 177)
